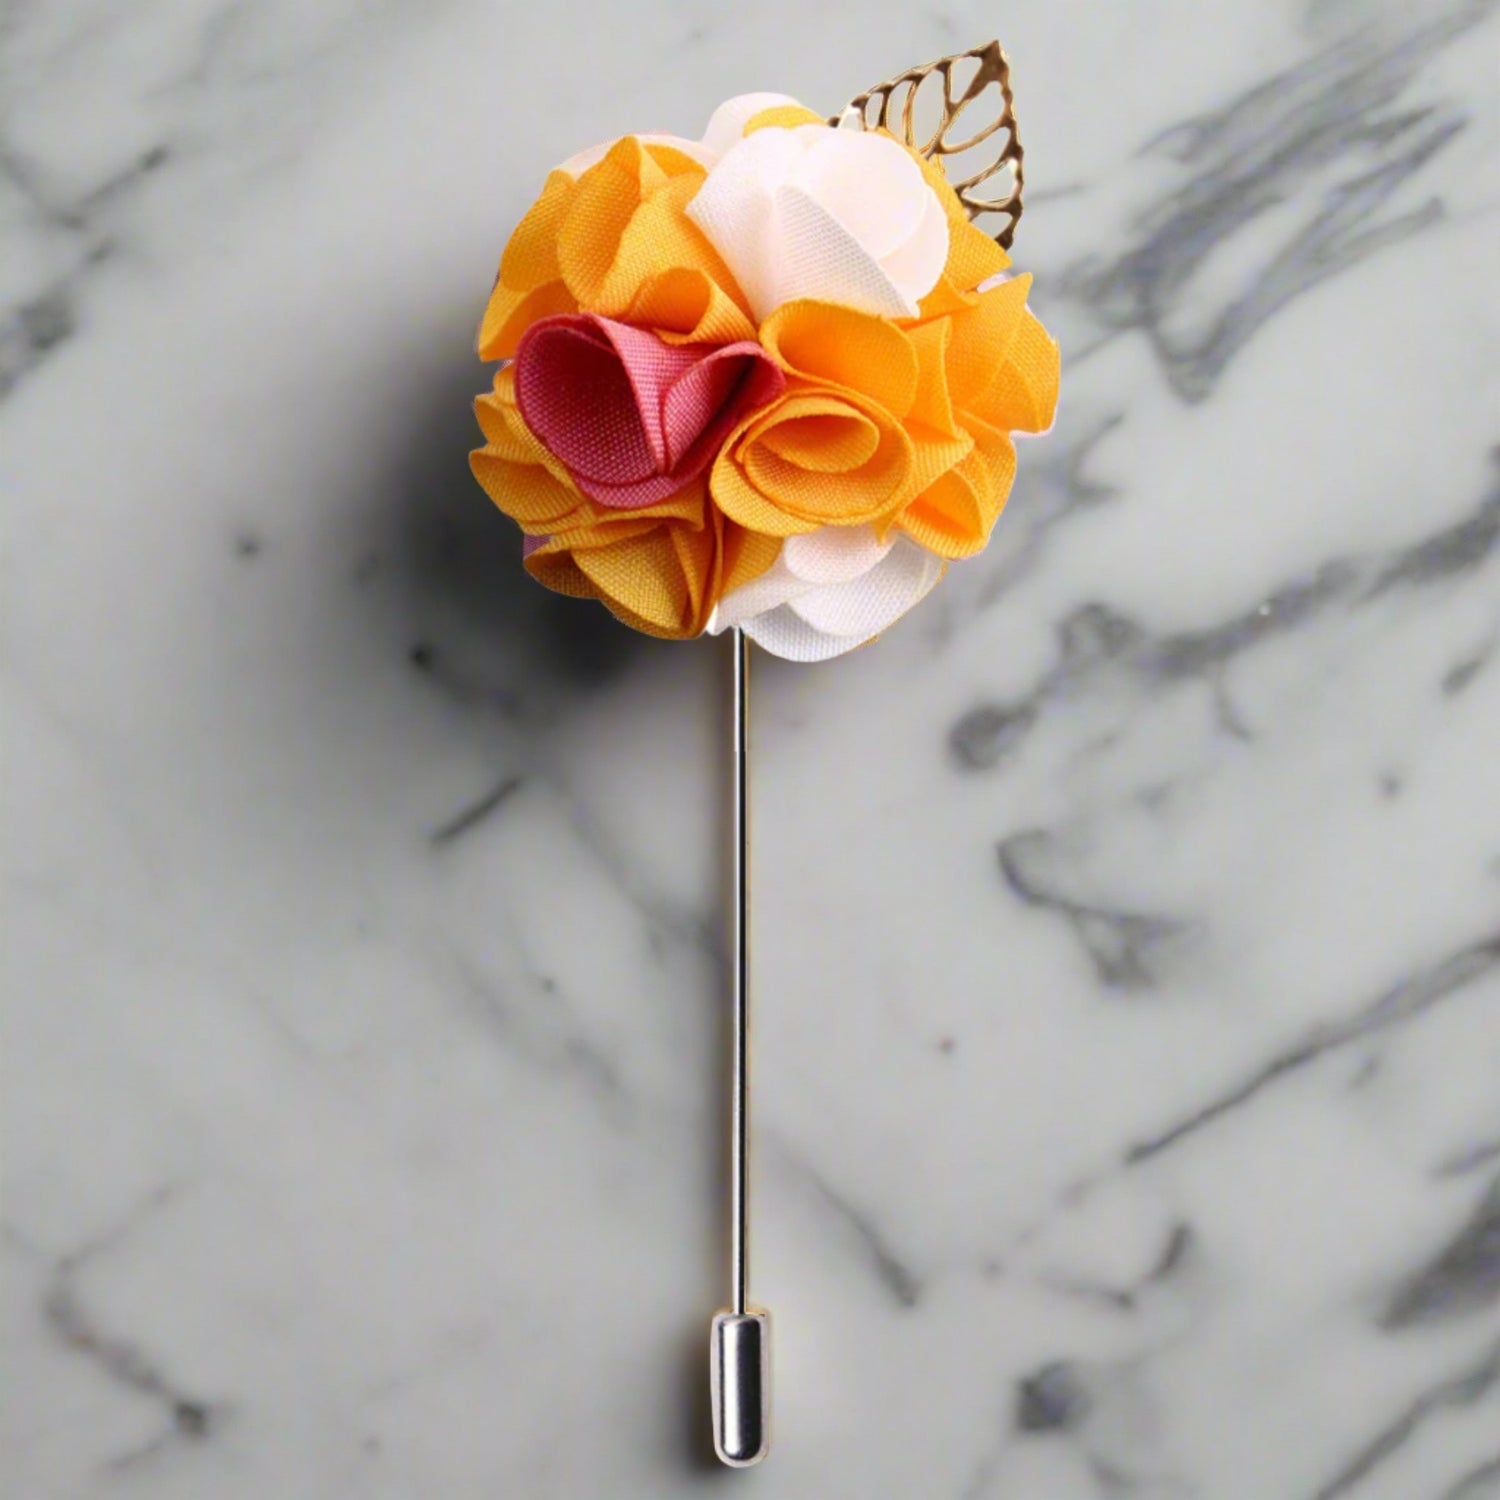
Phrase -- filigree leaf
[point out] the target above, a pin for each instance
(934, 108)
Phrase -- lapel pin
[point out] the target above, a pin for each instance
(767, 383)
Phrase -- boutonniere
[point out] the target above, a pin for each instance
(768, 381)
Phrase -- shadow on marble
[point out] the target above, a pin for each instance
(455, 551)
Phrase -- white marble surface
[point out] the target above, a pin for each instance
(1129, 919)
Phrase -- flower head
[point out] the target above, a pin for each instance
(768, 378)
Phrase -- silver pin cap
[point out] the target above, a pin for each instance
(740, 1373)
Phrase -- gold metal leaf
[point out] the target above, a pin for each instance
(991, 77)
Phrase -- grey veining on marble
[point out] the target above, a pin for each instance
(1128, 919)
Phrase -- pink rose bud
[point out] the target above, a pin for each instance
(631, 417)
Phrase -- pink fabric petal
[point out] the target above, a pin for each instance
(691, 402)
(575, 396)
(706, 401)
(631, 417)
(651, 366)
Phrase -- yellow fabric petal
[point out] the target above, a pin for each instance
(560, 573)
(640, 580)
(760, 487)
(616, 240)
(658, 568)
(947, 516)
(626, 228)
(530, 257)
(604, 202)
(643, 576)
(686, 305)
(510, 313)
(932, 454)
(1023, 395)
(527, 493)
(954, 515)
(991, 443)
(660, 237)
(673, 162)
(742, 503)
(973, 256)
(783, 116)
(528, 285)
(982, 334)
(492, 422)
(831, 441)
(932, 457)
(836, 346)
(598, 526)
(932, 403)
(746, 555)
(696, 549)
(500, 421)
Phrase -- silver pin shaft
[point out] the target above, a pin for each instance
(740, 1351)
(739, 1114)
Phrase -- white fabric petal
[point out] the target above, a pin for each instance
(804, 619)
(862, 607)
(727, 123)
(789, 636)
(733, 209)
(813, 255)
(834, 554)
(915, 266)
(778, 585)
(836, 215)
(874, 191)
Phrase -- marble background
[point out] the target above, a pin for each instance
(1128, 1032)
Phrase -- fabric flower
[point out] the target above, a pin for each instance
(767, 379)
(660, 567)
(632, 418)
(842, 216)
